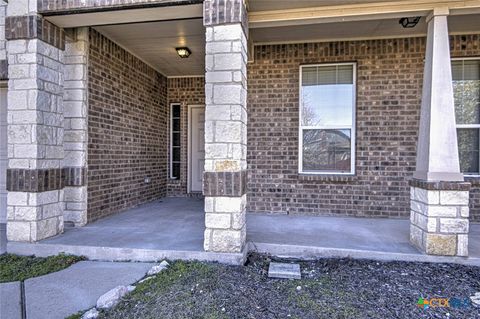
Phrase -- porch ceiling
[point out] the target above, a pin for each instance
(265, 5)
(155, 42)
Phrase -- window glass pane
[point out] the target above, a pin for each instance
(176, 170)
(468, 149)
(466, 90)
(327, 105)
(176, 125)
(175, 139)
(176, 154)
(327, 150)
(175, 110)
(327, 95)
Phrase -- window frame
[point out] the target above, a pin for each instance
(352, 128)
(465, 126)
(171, 146)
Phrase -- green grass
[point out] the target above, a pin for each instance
(75, 316)
(18, 268)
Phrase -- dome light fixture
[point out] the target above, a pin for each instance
(183, 52)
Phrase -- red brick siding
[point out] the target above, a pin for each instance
(186, 91)
(127, 127)
(389, 81)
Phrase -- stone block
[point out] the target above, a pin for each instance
(17, 100)
(218, 77)
(419, 207)
(454, 198)
(454, 225)
(18, 231)
(208, 34)
(19, 134)
(18, 71)
(464, 211)
(27, 213)
(228, 132)
(74, 72)
(218, 221)
(209, 204)
(227, 94)
(441, 244)
(16, 46)
(218, 47)
(46, 228)
(227, 32)
(75, 194)
(43, 198)
(426, 196)
(29, 151)
(216, 150)
(239, 220)
(442, 211)
(17, 199)
(75, 158)
(462, 245)
(284, 270)
(229, 204)
(228, 61)
(416, 236)
(52, 210)
(226, 241)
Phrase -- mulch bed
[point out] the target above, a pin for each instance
(329, 288)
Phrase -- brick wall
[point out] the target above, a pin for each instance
(127, 127)
(389, 81)
(186, 91)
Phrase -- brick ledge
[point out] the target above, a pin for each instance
(440, 185)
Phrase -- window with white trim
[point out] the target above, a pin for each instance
(327, 119)
(466, 91)
(175, 143)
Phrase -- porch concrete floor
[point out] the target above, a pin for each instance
(174, 227)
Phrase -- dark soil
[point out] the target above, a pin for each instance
(329, 288)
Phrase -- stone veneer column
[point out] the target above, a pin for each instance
(35, 124)
(75, 101)
(439, 195)
(225, 125)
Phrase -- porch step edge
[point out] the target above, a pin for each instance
(314, 252)
(124, 254)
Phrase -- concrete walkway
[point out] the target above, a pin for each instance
(63, 293)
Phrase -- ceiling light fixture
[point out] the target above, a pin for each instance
(183, 52)
(409, 22)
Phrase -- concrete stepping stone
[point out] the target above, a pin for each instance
(284, 270)
(77, 288)
(10, 300)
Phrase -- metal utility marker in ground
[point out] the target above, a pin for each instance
(284, 270)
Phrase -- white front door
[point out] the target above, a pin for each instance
(3, 155)
(197, 147)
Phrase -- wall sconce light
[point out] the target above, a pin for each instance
(183, 52)
(409, 22)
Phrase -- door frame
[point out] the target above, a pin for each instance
(189, 145)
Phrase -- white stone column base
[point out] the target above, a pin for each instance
(439, 222)
(225, 222)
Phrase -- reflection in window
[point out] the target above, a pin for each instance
(466, 90)
(326, 118)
